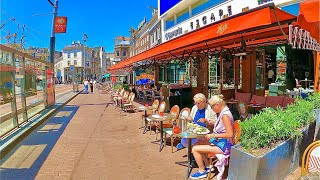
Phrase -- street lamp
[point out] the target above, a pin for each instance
(84, 38)
(52, 44)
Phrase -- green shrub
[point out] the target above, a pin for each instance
(125, 86)
(273, 125)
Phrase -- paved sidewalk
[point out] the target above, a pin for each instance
(89, 139)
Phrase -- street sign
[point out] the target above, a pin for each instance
(71, 68)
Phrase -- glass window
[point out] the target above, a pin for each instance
(118, 53)
(260, 66)
(19, 85)
(161, 73)
(6, 92)
(228, 71)
(214, 75)
(68, 55)
(75, 62)
(68, 63)
(169, 23)
(203, 5)
(34, 83)
(158, 32)
(183, 15)
(75, 54)
(124, 53)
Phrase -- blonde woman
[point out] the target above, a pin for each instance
(201, 114)
(220, 140)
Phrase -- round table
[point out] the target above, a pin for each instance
(159, 118)
(189, 135)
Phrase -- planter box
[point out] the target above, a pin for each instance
(276, 164)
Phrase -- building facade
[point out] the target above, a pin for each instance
(40, 53)
(80, 57)
(154, 29)
(109, 59)
(180, 17)
(121, 48)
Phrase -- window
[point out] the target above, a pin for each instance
(169, 23)
(260, 69)
(228, 71)
(75, 62)
(214, 75)
(118, 53)
(68, 55)
(183, 15)
(202, 5)
(75, 54)
(68, 63)
(158, 33)
(161, 73)
(124, 53)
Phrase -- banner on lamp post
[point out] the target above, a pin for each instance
(60, 25)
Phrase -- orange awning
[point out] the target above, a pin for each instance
(229, 29)
(309, 17)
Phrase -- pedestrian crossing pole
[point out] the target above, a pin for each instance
(53, 39)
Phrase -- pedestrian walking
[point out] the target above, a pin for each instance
(91, 85)
(86, 86)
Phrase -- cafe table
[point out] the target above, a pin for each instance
(232, 103)
(254, 107)
(188, 134)
(145, 109)
(161, 118)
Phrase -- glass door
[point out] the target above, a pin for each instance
(260, 70)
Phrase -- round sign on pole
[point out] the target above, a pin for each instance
(72, 68)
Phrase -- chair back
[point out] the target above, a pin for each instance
(242, 108)
(122, 91)
(162, 107)
(175, 111)
(237, 131)
(184, 113)
(155, 103)
(126, 94)
(133, 95)
(311, 159)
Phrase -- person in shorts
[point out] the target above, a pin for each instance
(219, 142)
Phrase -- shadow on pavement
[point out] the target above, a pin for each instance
(25, 160)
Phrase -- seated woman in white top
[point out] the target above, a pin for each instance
(220, 139)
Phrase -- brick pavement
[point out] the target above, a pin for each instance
(93, 142)
(89, 139)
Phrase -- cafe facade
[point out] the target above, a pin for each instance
(234, 53)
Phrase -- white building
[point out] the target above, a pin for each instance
(76, 55)
(182, 16)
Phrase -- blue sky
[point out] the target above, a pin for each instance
(101, 20)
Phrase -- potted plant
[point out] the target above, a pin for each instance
(273, 141)
(315, 99)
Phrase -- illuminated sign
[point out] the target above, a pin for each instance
(165, 5)
(174, 33)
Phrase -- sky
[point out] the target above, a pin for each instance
(101, 20)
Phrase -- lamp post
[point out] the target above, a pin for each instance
(52, 44)
(84, 38)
